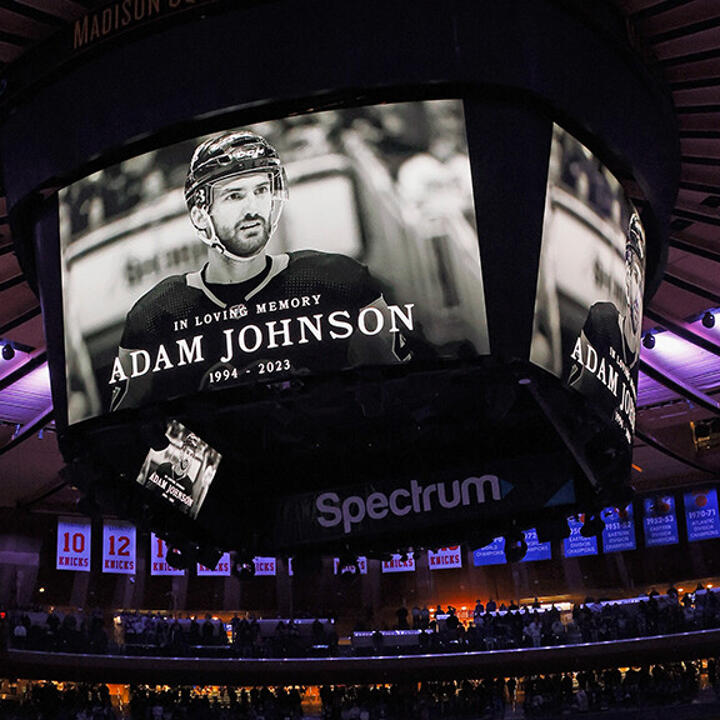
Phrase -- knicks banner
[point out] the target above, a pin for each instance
(73, 544)
(399, 563)
(222, 569)
(360, 562)
(445, 558)
(158, 553)
(119, 548)
(265, 566)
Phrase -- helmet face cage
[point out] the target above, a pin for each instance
(229, 155)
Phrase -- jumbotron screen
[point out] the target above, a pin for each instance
(588, 308)
(296, 247)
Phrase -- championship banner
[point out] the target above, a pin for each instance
(619, 532)
(73, 544)
(445, 558)
(361, 562)
(397, 564)
(536, 550)
(265, 566)
(659, 520)
(222, 569)
(492, 554)
(576, 545)
(119, 548)
(158, 553)
(701, 514)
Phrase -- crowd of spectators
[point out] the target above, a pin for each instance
(59, 632)
(611, 690)
(492, 627)
(512, 626)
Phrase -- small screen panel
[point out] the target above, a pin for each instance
(588, 308)
(180, 474)
(301, 246)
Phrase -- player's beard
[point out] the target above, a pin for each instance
(249, 236)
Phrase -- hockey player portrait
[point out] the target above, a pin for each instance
(247, 314)
(295, 247)
(606, 352)
(181, 473)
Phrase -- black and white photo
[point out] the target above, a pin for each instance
(297, 247)
(181, 473)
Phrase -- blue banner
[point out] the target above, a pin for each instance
(701, 514)
(659, 520)
(536, 550)
(576, 545)
(492, 554)
(619, 532)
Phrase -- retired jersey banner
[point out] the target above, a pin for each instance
(73, 544)
(660, 521)
(445, 558)
(577, 545)
(119, 548)
(265, 566)
(158, 553)
(361, 564)
(701, 514)
(619, 532)
(220, 570)
(399, 563)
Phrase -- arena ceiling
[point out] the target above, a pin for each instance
(681, 40)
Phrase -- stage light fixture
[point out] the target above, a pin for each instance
(593, 526)
(8, 351)
(708, 320)
(243, 565)
(515, 546)
(177, 559)
(648, 340)
(209, 556)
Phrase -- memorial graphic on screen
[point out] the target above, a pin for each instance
(588, 309)
(181, 473)
(300, 246)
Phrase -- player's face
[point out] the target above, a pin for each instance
(241, 211)
(185, 458)
(633, 291)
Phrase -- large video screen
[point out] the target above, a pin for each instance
(588, 308)
(295, 247)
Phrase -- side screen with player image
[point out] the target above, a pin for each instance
(181, 473)
(294, 247)
(591, 278)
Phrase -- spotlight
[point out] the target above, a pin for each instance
(8, 351)
(593, 526)
(515, 546)
(243, 566)
(708, 320)
(648, 340)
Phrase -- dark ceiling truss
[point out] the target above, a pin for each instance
(21, 371)
(660, 374)
(683, 329)
(19, 320)
(654, 443)
(29, 429)
(693, 287)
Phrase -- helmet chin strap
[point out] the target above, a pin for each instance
(212, 240)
